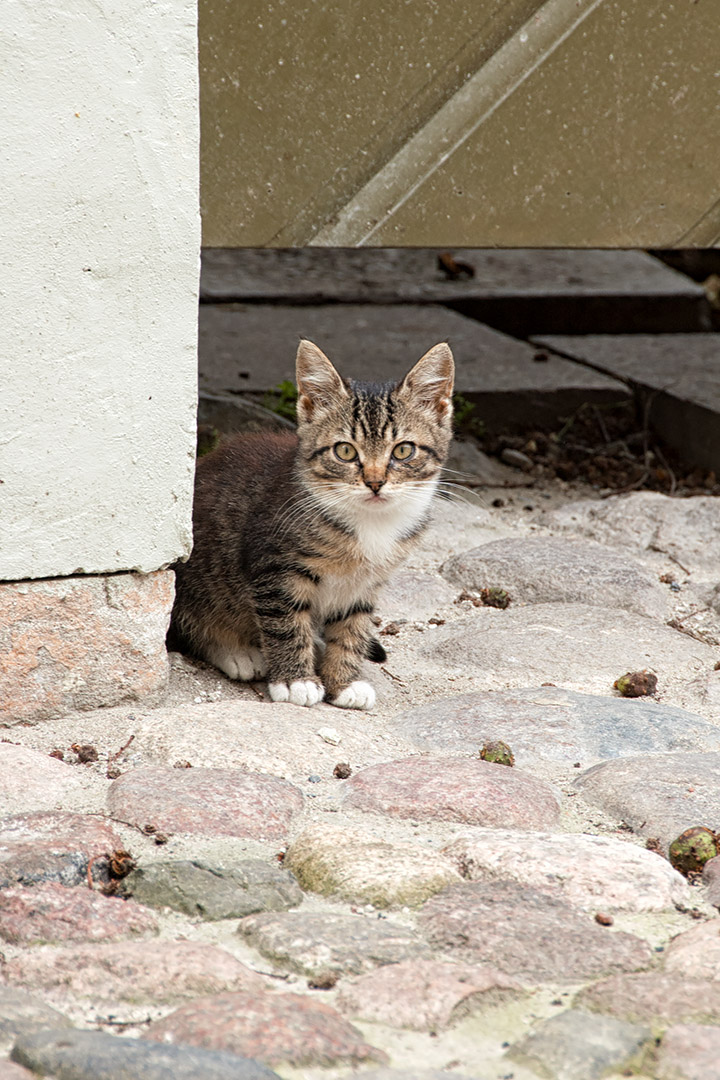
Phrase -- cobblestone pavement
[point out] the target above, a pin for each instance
(325, 893)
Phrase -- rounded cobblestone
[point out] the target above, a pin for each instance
(225, 802)
(53, 846)
(527, 934)
(352, 865)
(454, 789)
(274, 1028)
(131, 971)
(52, 912)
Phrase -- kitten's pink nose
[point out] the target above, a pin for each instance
(375, 485)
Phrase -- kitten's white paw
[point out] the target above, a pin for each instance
(358, 695)
(301, 692)
(242, 664)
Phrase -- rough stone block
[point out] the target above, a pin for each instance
(274, 1028)
(10, 1071)
(711, 880)
(425, 995)
(52, 912)
(526, 933)
(318, 944)
(473, 792)
(689, 1052)
(575, 1044)
(36, 848)
(31, 780)
(654, 997)
(583, 646)
(248, 348)
(211, 891)
(590, 872)
(544, 569)
(575, 727)
(686, 531)
(81, 642)
(657, 795)
(216, 802)
(354, 865)
(93, 1055)
(695, 954)
(129, 972)
(21, 1013)
(519, 292)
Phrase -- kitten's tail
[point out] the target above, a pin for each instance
(375, 652)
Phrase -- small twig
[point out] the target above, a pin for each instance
(601, 424)
(698, 635)
(662, 551)
(395, 678)
(114, 757)
(111, 1022)
(664, 463)
(629, 487)
(256, 691)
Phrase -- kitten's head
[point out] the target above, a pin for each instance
(370, 448)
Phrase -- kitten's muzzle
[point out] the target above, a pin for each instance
(375, 485)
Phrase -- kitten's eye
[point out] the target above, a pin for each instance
(403, 451)
(345, 451)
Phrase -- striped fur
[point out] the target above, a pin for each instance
(292, 541)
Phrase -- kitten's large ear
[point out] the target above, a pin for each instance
(431, 380)
(318, 383)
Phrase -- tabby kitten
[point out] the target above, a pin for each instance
(295, 534)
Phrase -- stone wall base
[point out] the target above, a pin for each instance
(81, 643)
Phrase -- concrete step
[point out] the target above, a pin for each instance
(251, 348)
(518, 291)
(676, 375)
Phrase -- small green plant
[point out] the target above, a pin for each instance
(282, 400)
(464, 418)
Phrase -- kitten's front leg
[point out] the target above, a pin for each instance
(288, 644)
(347, 638)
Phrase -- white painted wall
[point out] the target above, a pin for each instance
(99, 253)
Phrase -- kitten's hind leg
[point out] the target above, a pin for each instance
(241, 662)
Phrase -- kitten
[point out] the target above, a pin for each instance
(295, 534)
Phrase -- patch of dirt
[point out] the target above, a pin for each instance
(608, 447)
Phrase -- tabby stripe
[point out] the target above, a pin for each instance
(320, 450)
(357, 609)
(278, 635)
(359, 418)
(271, 596)
(270, 570)
(302, 571)
(283, 612)
(390, 406)
(429, 450)
(338, 525)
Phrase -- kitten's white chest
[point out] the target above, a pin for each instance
(377, 538)
(338, 592)
(379, 529)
